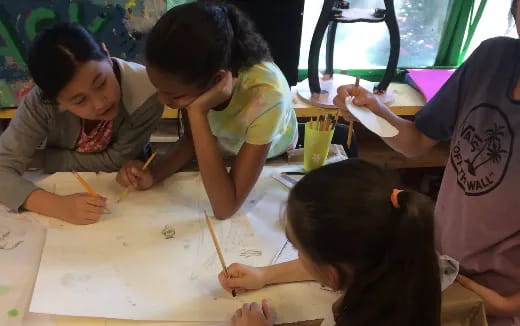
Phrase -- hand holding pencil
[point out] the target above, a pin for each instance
(362, 97)
(241, 277)
(80, 208)
(219, 251)
(136, 175)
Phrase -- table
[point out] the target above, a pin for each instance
(460, 307)
(408, 102)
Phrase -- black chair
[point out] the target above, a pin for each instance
(339, 11)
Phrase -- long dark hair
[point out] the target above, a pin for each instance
(513, 9)
(342, 214)
(55, 54)
(194, 40)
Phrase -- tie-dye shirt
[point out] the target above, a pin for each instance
(259, 112)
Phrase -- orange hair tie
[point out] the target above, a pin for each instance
(394, 199)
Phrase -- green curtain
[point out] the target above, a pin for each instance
(458, 33)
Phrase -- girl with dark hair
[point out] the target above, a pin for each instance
(477, 213)
(206, 58)
(92, 112)
(361, 235)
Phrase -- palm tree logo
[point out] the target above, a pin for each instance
(493, 147)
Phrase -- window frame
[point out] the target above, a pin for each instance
(463, 18)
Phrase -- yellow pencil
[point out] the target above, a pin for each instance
(217, 247)
(351, 123)
(125, 192)
(85, 184)
(88, 187)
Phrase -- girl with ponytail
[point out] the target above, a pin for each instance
(355, 232)
(206, 58)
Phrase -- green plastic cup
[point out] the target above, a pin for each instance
(315, 147)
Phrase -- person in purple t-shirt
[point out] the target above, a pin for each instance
(477, 216)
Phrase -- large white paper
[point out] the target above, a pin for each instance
(123, 267)
(373, 122)
(21, 242)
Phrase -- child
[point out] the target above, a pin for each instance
(93, 112)
(356, 233)
(207, 58)
(476, 216)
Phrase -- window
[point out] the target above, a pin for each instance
(367, 46)
(495, 21)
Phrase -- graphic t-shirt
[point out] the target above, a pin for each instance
(259, 112)
(477, 215)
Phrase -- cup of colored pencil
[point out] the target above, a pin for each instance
(318, 135)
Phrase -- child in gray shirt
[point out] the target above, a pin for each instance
(92, 112)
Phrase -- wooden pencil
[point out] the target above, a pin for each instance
(330, 122)
(217, 247)
(351, 123)
(125, 192)
(85, 184)
(334, 120)
(88, 187)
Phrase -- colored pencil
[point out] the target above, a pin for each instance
(87, 187)
(217, 247)
(351, 123)
(85, 184)
(125, 192)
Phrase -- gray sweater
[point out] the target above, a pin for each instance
(37, 123)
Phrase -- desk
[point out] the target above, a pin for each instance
(7, 113)
(408, 102)
(460, 307)
(262, 207)
(167, 113)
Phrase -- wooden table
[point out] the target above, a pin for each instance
(408, 102)
(461, 307)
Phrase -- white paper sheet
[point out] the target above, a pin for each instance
(287, 253)
(122, 267)
(373, 122)
(21, 242)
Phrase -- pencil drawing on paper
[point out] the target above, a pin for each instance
(168, 231)
(7, 241)
(246, 253)
(236, 245)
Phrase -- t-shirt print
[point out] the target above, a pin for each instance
(482, 150)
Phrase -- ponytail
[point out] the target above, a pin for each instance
(248, 47)
(386, 240)
(408, 275)
(414, 256)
